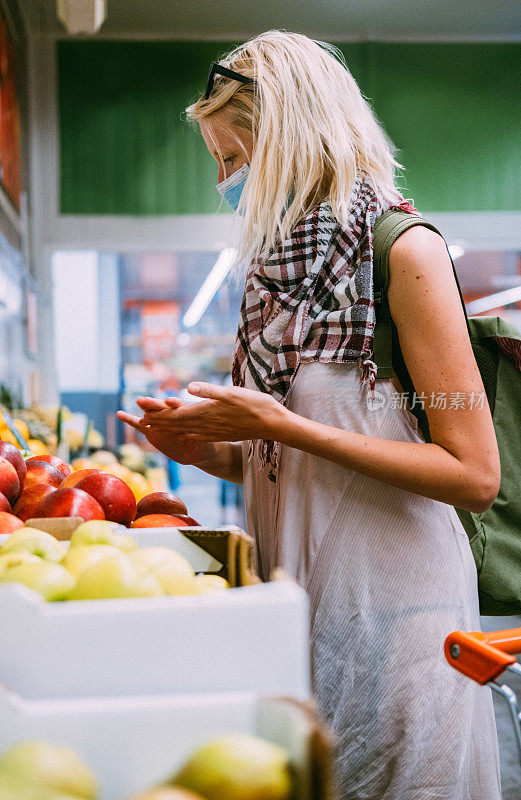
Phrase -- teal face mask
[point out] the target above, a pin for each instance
(231, 188)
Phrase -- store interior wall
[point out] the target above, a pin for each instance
(126, 149)
(118, 233)
(22, 300)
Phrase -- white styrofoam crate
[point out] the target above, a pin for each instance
(133, 743)
(249, 638)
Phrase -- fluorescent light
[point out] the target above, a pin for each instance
(81, 16)
(211, 284)
(456, 251)
(494, 300)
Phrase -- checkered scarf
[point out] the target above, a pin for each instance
(311, 300)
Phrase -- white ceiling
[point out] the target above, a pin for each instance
(340, 20)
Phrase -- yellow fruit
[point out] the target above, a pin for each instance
(118, 470)
(22, 427)
(49, 770)
(210, 583)
(7, 436)
(37, 447)
(82, 463)
(139, 486)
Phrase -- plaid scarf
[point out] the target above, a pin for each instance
(311, 300)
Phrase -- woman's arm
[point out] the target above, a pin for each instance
(224, 462)
(461, 466)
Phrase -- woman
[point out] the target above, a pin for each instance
(344, 493)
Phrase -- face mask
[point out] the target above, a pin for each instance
(231, 188)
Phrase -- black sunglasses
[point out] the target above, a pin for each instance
(216, 69)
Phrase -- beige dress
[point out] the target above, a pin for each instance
(389, 574)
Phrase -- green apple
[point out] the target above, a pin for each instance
(210, 583)
(167, 793)
(97, 531)
(82, 556)
(114, 575)
(238, 767)
(53, 771)
(39, 543)
(50, 580)
(15, 559)
(172, 570)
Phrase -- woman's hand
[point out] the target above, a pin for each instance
(227, 414)
(177, 446)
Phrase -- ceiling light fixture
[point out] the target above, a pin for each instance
(81, 16)
(210, 286)
(496, 300)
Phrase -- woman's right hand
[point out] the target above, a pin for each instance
(178, 447)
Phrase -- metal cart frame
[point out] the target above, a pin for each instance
(483, 657)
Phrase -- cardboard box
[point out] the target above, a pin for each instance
(253, 637)
(134, 743)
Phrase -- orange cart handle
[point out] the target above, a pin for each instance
(482, 656)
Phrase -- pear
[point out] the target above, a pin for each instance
(166, 793)
(238, 767)
(101, 531)
(82, 556)
(114, 575)
(172, 570)
(50, 580)
(46, 771)
(39, 543)
(210, 583)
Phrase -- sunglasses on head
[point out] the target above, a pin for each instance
(217, 69)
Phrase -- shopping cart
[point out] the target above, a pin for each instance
(484, 657)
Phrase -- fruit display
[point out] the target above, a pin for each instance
(43, 427)
(233, 766)
(102, 561)
(100, 488)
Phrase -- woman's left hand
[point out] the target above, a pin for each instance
(227, 414)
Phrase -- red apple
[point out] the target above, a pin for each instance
(30, 498)
(160, 503)
(69, 503)
(5, 505)
(160, 521)
(188, 520)
(9, 523)
(12, 453)
(42, 472)
(54, 461)
(114, 496)
(72, 479)
(9, 482)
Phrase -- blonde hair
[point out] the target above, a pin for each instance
(313, 134)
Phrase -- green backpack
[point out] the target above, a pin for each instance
(495, 535)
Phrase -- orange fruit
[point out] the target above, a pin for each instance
(37, 447)
(82, 463)
(139, 485)
(22, 427)
(7, 436)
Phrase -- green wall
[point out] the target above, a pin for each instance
(454, 110)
